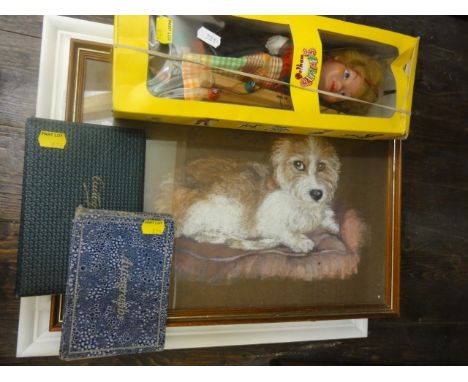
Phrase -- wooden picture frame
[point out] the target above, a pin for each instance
(389, 303)
(81, 52)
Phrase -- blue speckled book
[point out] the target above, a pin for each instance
(118, 284)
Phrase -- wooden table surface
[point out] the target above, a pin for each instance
(433, 326)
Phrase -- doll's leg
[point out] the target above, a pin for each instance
(168, 79)
(233, 63)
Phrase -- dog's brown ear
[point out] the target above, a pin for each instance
(271, 183)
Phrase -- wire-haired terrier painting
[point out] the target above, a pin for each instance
(253, 205)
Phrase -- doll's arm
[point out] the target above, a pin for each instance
(233, 90)
(261, 98)
(276, 44)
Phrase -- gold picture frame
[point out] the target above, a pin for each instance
(83, 55)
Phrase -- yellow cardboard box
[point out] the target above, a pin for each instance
(132, 99)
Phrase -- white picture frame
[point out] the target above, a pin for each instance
(34, 337)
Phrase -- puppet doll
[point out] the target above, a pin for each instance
(345, 72)
(350, 73)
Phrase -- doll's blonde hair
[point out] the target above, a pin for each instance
(370, 69)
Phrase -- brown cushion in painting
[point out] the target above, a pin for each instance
(333, 257)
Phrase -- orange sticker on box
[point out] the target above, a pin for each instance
(52, 139)
(153, 227)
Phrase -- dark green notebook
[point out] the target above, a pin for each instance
(67, 165)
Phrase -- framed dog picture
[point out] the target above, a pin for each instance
(270, 227)
(277, 227)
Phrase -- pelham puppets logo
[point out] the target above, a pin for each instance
(306, 70)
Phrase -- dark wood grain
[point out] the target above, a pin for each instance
(433, 326)
(9, 304)
(32, 25)
(104, 19)
(24, 25)
(19, 68)
(11, 171)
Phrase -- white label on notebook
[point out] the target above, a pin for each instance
(209, 37)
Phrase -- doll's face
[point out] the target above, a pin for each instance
(340, 79)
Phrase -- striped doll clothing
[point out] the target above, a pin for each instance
(196, 70)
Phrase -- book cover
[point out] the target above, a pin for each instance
(118, 284)
(67, 165)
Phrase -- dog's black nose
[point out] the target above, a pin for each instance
(316, 194)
